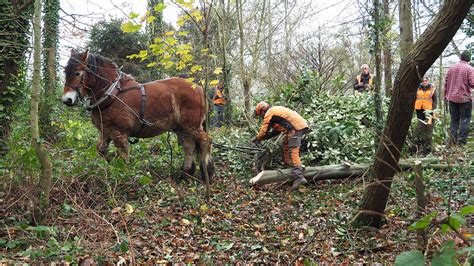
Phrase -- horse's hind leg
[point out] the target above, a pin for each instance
(188, 144)
(204, 148)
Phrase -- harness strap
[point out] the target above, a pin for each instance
(141, 115)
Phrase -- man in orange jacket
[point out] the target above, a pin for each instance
(219, 103)
(290, 123)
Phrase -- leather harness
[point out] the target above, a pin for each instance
(111, 94)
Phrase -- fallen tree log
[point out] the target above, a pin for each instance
(340, 171)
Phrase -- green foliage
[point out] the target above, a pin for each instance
(51, 248)
(107, 38)
(341, 125)
(423, 222)
(447, 253)
(410, 258)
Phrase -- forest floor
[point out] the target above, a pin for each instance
(167, 221)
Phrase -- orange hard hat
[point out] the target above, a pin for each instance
(261, 108)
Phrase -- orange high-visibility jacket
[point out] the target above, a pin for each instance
(218, 97)
(281, 119)
(424, 99)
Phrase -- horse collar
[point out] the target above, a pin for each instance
(108, 96)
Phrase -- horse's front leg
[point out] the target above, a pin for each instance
(102, 146)
(120, 141)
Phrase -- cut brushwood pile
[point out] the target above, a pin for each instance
(341, 171)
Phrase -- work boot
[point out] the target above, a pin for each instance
(298, 182)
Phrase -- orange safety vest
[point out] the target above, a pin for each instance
(218, 97)
(424, 99)
(359, 79)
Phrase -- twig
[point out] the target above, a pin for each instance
(8, 232)
(303, 249)
(446, 222)
(130, 242)
(97, 215)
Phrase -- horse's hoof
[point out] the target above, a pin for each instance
(188, 173)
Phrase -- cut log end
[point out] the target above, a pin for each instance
(256, 178)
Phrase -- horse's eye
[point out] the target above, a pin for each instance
(78, 73)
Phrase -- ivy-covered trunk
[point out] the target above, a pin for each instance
(14, 29)
(422, 55)
(387, 48)
(50, 63)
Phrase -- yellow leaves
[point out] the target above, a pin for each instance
(133, 15)
(168, 64)
(197, 15)
(204, 51)
(150, 19)
(187, 58)
(128, 208)
(196, 68)
(143, 54)
(159, 7)
(181, 21)
(218, 70)
(185, 221)
(152, 64)
(180, 65)
(214, 82)
(130, 27)
(169, 33)
(190, 80)
(171, 41)
(204, 208)
(183, 33)
(185, 3)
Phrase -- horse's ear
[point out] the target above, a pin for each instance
(73, 51)
(85, 56)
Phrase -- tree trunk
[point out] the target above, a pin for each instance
(342, 171)
(406, 27)
(423, 53)
(378, 71)
(387, 49)
(44, 182)
(14, 30)
(243, 72)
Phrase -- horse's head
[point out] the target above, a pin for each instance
(79, 70)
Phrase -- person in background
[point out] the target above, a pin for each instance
(290, 123)
(364, 81)
(218, 101)
(458, 84)
(426, 99)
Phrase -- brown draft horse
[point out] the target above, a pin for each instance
(122, 108)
